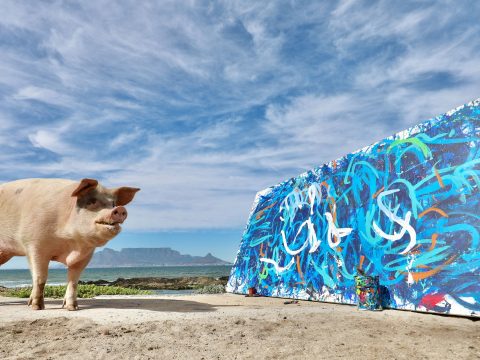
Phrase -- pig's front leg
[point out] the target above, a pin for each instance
(74, 272)
(39, 269)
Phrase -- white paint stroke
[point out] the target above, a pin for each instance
(333, 231)
(404, 223)
(279, 269)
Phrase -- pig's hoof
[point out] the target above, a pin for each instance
(70, 307)
(36, 304)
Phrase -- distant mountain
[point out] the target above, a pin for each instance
(149, 257)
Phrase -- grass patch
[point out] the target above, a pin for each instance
(84, 291)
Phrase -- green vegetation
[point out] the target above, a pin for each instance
(84, 291)
(211, 289)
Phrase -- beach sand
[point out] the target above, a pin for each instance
(228, 326)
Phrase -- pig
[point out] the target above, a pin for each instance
(58, 220)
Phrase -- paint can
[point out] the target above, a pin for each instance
(252, 291)
(367, 289)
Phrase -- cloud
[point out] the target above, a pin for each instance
(44, 95)
(202, 105)
(50, 141)
(126, 138)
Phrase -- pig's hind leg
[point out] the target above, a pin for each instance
(74, 272)
(39, 270)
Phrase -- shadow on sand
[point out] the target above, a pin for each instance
(164, 305)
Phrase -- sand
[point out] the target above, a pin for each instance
(228, 327)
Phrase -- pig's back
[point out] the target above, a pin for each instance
(30, 191)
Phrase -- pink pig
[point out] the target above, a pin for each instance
(60, 220)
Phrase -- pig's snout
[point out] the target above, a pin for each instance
(119, 214)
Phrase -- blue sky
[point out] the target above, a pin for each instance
(204, 103)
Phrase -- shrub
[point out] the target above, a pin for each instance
(84, 291)
(211, 289)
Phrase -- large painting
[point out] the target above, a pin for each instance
(406, 209)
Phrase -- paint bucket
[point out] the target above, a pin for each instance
(252, 291)
(368, 294)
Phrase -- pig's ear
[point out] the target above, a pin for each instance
(125, 195)
(85, 186)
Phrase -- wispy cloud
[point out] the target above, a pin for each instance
(43, 95)
(201, 105)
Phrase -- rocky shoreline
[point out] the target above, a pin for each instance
(161, 283)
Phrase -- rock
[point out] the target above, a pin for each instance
(96, 282)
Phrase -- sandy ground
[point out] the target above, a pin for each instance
(228, 327)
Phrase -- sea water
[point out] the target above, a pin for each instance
(21, 277)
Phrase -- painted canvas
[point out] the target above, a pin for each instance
(406, 209)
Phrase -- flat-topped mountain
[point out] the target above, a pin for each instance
(149, 257)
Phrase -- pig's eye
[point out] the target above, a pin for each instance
(92, 202)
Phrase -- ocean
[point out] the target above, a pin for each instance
(21, 277)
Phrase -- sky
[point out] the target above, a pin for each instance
(203, 103)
